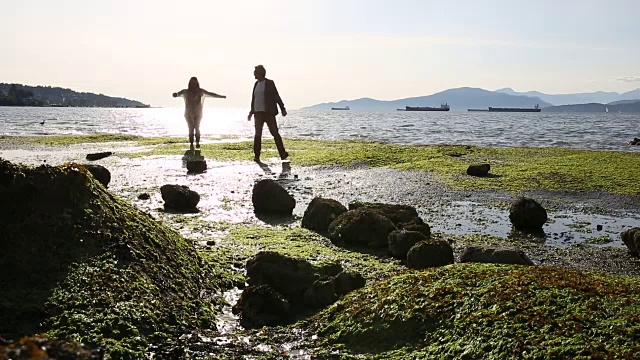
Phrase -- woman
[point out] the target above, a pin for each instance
(193, 100)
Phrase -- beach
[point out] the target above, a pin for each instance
(589, 203)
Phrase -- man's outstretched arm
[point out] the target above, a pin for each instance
(179, 93)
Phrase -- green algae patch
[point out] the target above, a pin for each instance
(488, 311)
(80, 264)
(512, 169)
(62, 140)
(244, 241)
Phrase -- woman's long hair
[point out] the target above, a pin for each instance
(193, 84)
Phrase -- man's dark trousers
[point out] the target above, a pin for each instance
(260, 119)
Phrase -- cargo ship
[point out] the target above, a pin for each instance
(535, 109)
(340, 108)
(443, 107)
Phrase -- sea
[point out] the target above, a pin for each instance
(596, 131)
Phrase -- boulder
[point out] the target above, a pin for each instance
(631, 238)
(635, 141)
(361, 227)
(289, 277)
(100, 173)
(260, 306)
(269, 197)
(398, 214)
(401, 241)
(320, 294)
(320, 213)
(345, 282)
(496, 256)
(527, 214)
(144, 196)
(430, 253)
(421, 227)
(478, 169)
(196, 166)
(98, 156)
(179, 197)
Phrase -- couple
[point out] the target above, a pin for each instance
(264, 108)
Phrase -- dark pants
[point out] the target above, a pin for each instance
(260, 119)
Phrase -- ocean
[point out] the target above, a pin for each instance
(596, 131)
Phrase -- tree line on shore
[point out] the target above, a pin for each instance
(24, 95)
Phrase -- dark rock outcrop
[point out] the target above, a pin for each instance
(320, 213)
(361, 227)
(269, 197)
(320, 294)
(398, 214)
(290, 277)
(144, 196)
(527, 214)
(196, 166)
(478, 169)
(179, 198)
(421, 227)
(496, 256)
(631, 238)
(98, 156)
(401, 241)
(430, 253)
(260, 306)
(99, 172)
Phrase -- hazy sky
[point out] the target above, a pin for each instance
(320, 50)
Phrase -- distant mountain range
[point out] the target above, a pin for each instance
(580, 98)
(461, 99)
(55, 96)
(623, 106)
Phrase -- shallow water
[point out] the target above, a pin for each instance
(606, 131)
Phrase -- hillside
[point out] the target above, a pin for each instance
(579, 98)
(25, 95)
(459, 99)
(619, 107)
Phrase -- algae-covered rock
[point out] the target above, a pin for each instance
(631, 238)
(179, 198)
(401, 241)
(320, 294)
(487, 311)
(361, 227)
(260, 306)
(320, 213)
(269, 197)
(398, 214)
(79, 263)
(99, 172)
(290, 277)
(347, 281)
(430, 253)
(420, 227)
(98, 156)
(527, 214)
(496, 256)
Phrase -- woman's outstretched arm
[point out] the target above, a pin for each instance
(179, 93)
(213, 94)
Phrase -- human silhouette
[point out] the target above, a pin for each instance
(193, 101)
(264, 108)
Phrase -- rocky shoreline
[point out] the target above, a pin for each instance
(223, 233)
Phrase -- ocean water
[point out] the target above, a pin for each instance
(603, 131)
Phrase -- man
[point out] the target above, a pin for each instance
(264, 107)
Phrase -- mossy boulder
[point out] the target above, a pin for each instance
(361, 227)
(79, 263)
(101, 173)
(398, 214)
(320, 214)
(631, 238)
(430, 253)
(478, 169)
(269, 197)
(488, 311)
(401, 241)
(527, 214)
(260, 306)
(495, 256)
